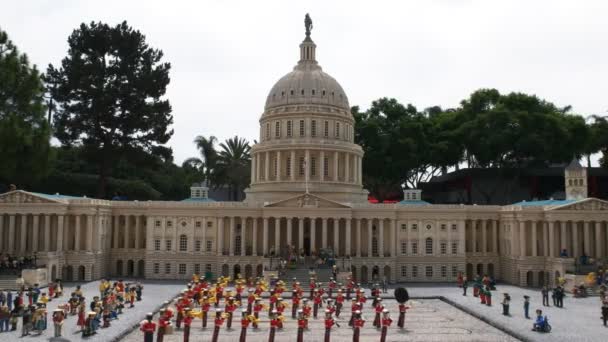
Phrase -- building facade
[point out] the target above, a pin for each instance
(306, 191)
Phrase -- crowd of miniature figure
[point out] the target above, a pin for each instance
(200, 296)
(103, 308)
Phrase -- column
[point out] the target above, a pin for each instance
(23, 233)
(253, 164)
(462, 225)
(116, 230)
(277, 235)
(313, 233)
(358, 234)
(348, 237)
(562, 226)
(35, 228)
(300, 234)
(101, 232)
(545, 238)
(495, 236)
(322, 165)
(598, 239)
(59, 233)
(393, 238)
(232, 233)
(220, 236)
(522, 237)
(244, 235)
(381, 237)
(484, 236)
(335, 166)
(265, 236)
(575, 249)
(47, 233)
(204, 235)
(551, 239)
(267, 166)
(324, 233)
(307, 161)
(127, 237)
(89, 233)
(370, 237)
(474, 235)
(254, 243)
(587, 239)
(292, 163)
(2, 241)
(138, 233)
(290, 232)
(279, 165)
(336, 228)
(534, 239)
(11, 234)
(346, 168)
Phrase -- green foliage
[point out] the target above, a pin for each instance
(109, 90)
(24, 131)
(234, 165)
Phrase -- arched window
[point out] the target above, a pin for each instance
(428, 246)
(570, 182)
(183, 243)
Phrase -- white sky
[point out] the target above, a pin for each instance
(227, 54)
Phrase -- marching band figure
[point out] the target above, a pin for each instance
(378, 308)
(332, 287)
(312, 286)
(274, 324)
(205, 306)
(358, 323)
(402, 309)
(355, 306)
(58, 317)
(339, 302)
(244, 325)
(386, 322)
(302, 324)
(306, 309)
(295, 303)
(148, 327)
(219, 320)
(250, 301)
(187, 322)
(230, 308)
(163, 323)
(329, 323)
(316, 303)
(257, 307)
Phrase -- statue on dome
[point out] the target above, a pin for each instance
(308, 24)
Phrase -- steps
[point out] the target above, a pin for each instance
(8, 282)
(303, 276)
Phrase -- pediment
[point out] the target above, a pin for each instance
(24, 197)
(307, 201)
(589, 204)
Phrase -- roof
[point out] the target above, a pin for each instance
(574, 165)
(197, 200)
(55, 196)
(544, 203)
(414, 202)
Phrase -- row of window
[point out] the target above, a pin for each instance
(302, 166)
(313, 92)
(428, 271)
(338, 131)
(414, 227)
(181, 268)
(428, 247)
(197, 224)
(183, 244)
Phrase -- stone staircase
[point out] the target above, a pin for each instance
(8, 282)
(302, 274)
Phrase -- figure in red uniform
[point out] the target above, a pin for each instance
(329, 323)
(378, 309)
(306, 309)
(230, 309)
(375, 292)
(402, 309)
(321, 292)
(358, 323)
(316, 303)
(332, 287)
(350, 284)
(244, 325)
(330, 306)
(168, 311)
(179, 307)
(302, 324)
(339, 302)
(148, 327)
(257, 307)
(280, 307)
(272, 301)
(295, 303)
(205, 307)
(187, 322)
(250, 301)
(274, 324)
(312, 285)
(355, 306)
(163, 323)
(219, 320)
(386, 322)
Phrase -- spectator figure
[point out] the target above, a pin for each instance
(545, 292)
(465, 284)
(527, 307)
(605, 311)
(563, 253)
(505, 304)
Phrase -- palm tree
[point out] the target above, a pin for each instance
(209, 155)
(233, 164)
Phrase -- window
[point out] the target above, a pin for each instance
(197, 245)
(291, 92)
(197, 268)
(157, 245)
(288, 166)
(454, 271)
(337, 129)
(428, 227)
(183, 243)
(277, 129)
(301, 128)
(444, 271)
(454, 247)
(414, 247)
(168, 245)
(443, 226)
(182, 269)
(209, 224)
(414, 226)
(313, 92)
(429, 271)
(289, 129)
(326, 129)
(404, 226)
(428, 245)
(208, 268)
(157, 223)
(313, 166)
(403, 247)
(276, 166)
(167, 268)
(444, 248)
(209, 246)
(198, 224)
(326, 166)
(156, 268)
(267, 131)
(454, 226)
(403, 271)
(313, 128)
(414, 271)
(301, 166)
(169, 223)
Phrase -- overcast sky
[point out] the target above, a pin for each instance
(226, 55)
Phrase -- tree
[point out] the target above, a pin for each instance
(209, 155)
(24, 131)
(109, 94)
(234, 165)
